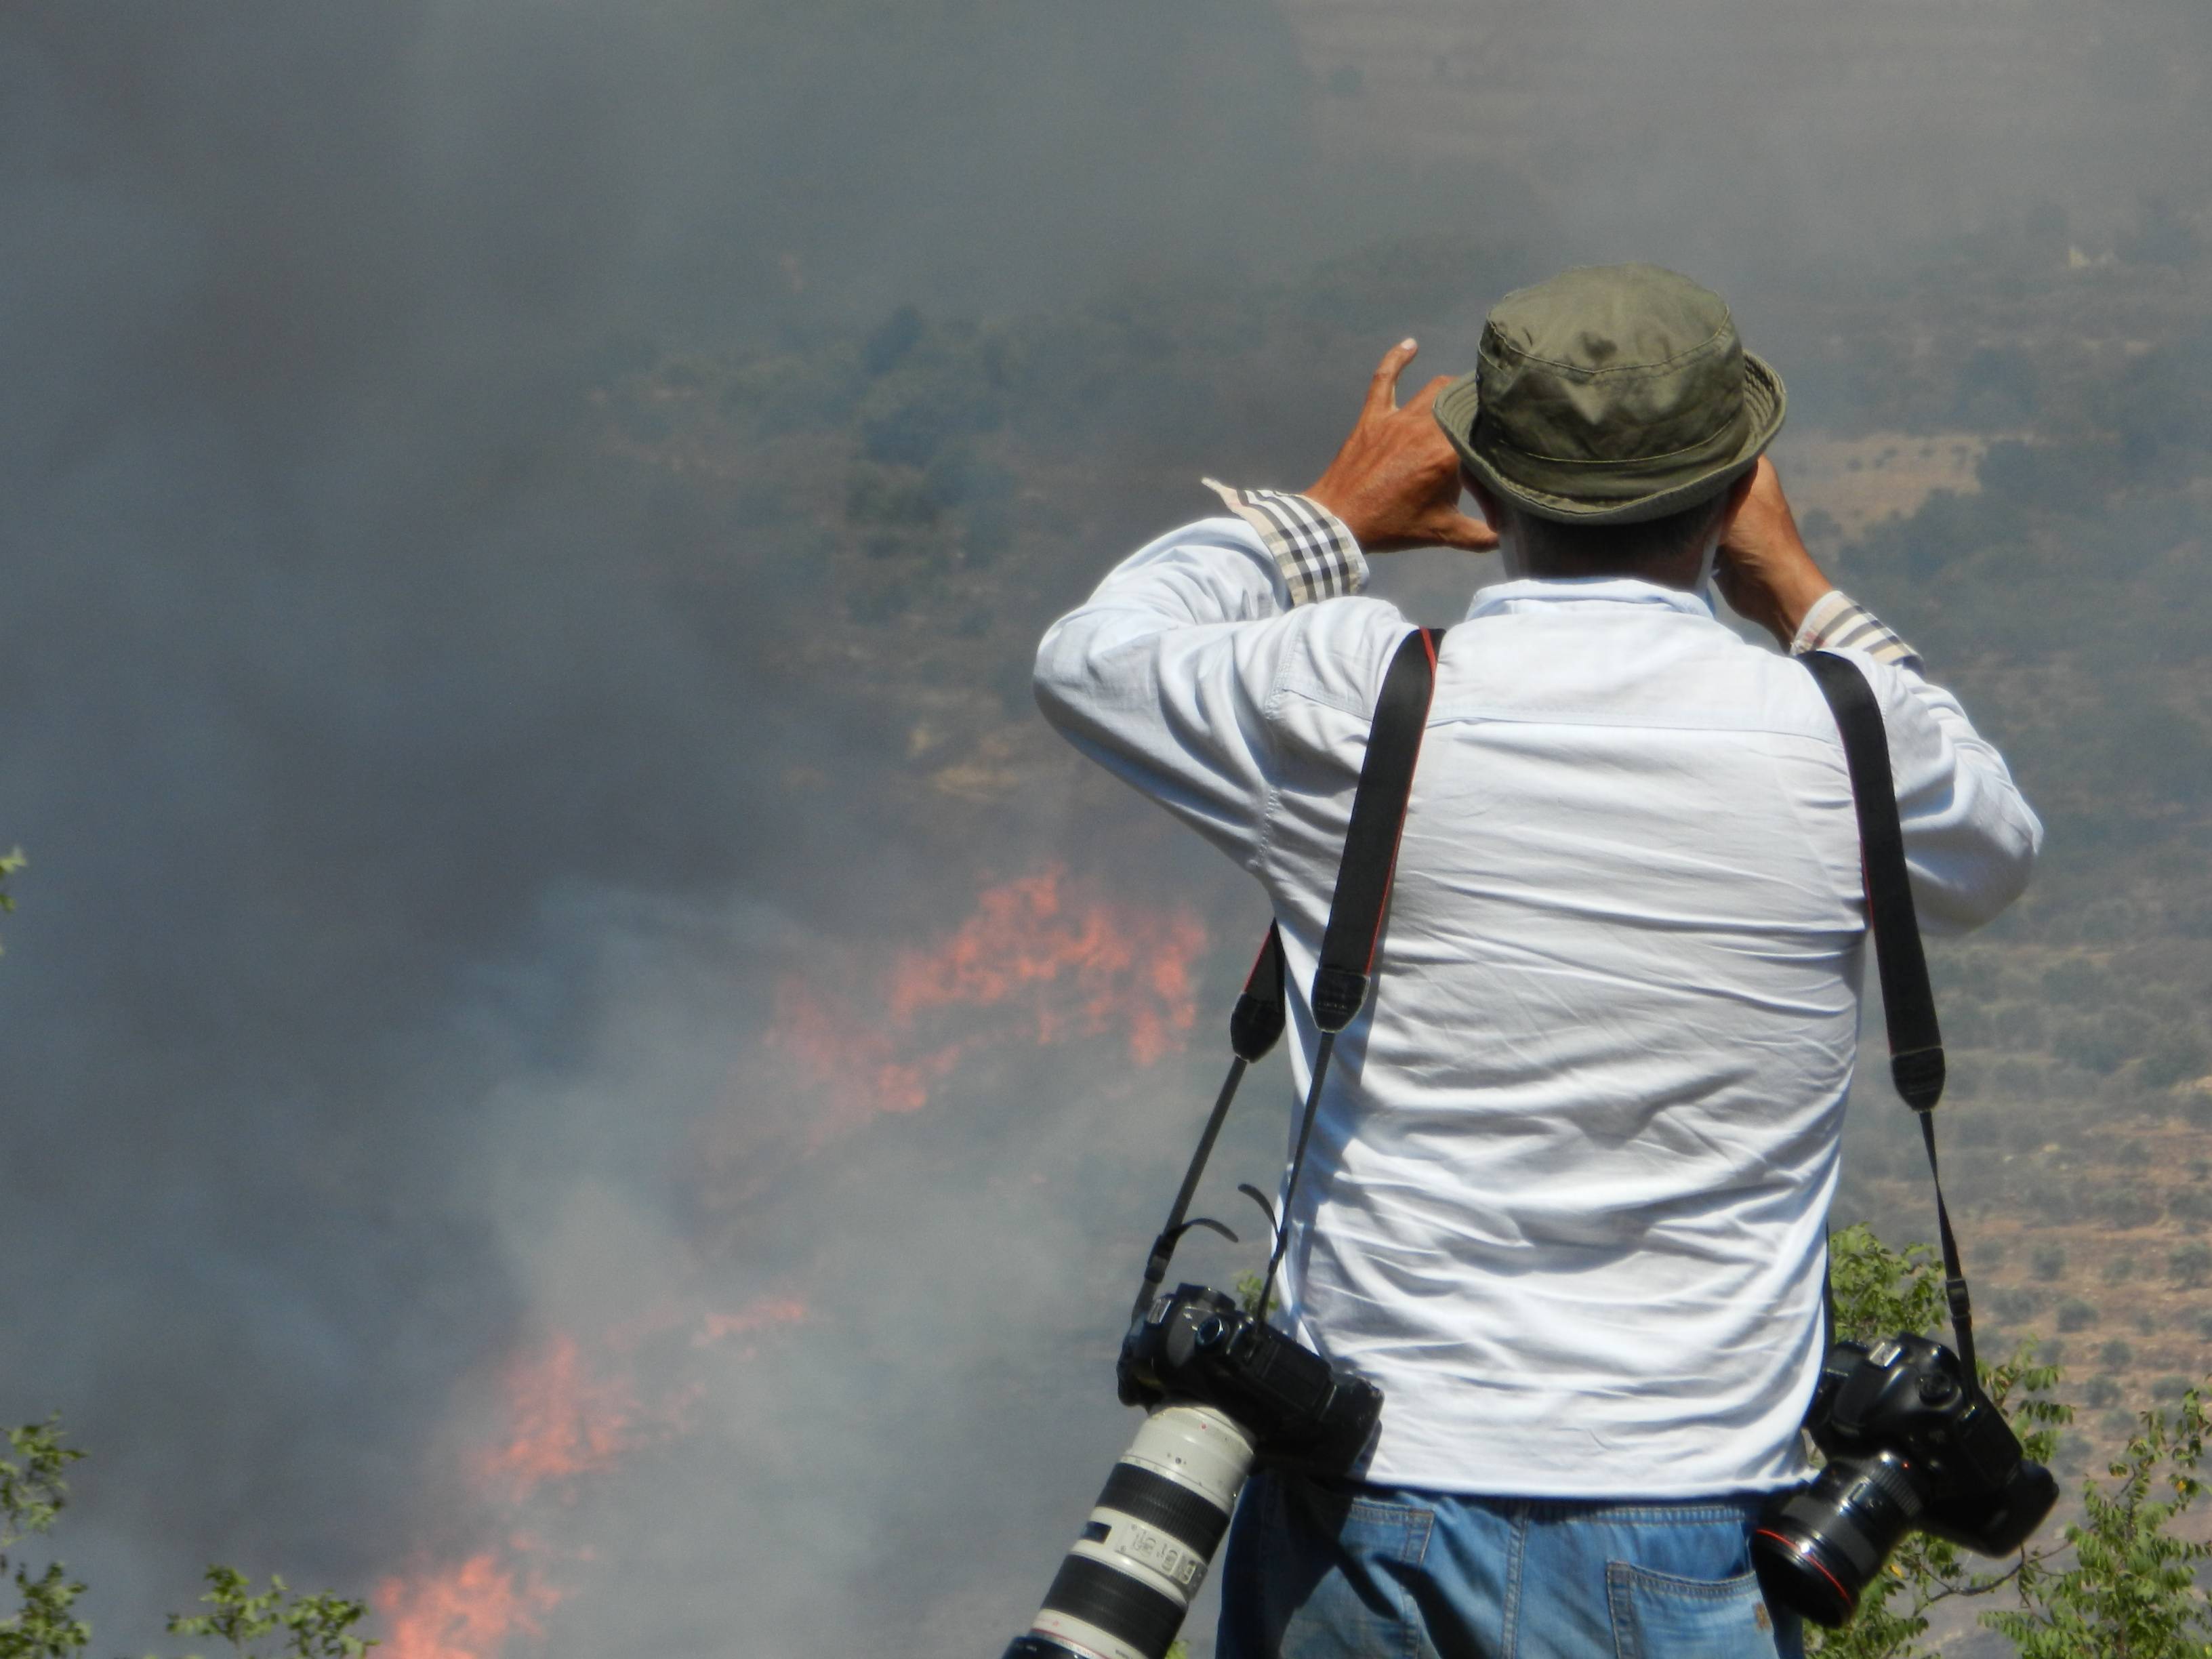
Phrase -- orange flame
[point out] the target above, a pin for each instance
(1069, 969)
(465, 1612)
(566, 1419)
(562, 1422)
(1030, 963)
(863, 1066)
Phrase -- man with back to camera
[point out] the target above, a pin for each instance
(1566, 1193)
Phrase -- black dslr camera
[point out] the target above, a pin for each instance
(1223, 1388)
(1197, 1345)
(1911, 1441)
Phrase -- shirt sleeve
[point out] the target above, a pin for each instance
(1165, 676)
(1971, 838)
(1310, 545)
(1838, 621)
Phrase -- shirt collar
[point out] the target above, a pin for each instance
(1533, 591)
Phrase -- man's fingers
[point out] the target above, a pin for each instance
(1751, 498)
(1763, 486)
(1468, 534)
(1427, 397)
(1382, 390)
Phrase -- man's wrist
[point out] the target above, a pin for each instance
(1319, 496)
(1800, 599)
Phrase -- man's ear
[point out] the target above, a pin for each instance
(1499, 518)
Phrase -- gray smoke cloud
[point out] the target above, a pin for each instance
(402, 986)
(385, 806)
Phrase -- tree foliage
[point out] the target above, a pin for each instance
(312, 1626)
(2119, 1584)
(2131, 1591)
(10, 862)
(33, 1494)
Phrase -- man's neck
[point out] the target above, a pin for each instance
(1685, 571)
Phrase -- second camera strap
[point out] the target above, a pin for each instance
(1908, 1000)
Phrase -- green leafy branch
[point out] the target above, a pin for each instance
(317, 1627)
(33, 1491)
(2132, 1592)
(33, 1494)
(10, 862)
(2119, 1582)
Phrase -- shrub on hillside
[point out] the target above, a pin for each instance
(2191, 1265)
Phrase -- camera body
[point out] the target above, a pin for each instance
(1911, 1441)
(1197, 1345)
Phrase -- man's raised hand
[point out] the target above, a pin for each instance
(1763, 570)
(1395, 482)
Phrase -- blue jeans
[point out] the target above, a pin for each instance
(1331, 1569)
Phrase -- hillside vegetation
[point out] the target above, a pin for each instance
(933, 490)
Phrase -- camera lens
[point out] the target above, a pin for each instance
(1122, 1590)
(1817, 1548)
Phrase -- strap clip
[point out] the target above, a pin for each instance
(1918, 1075)
(1339, 993)
(1254, 1025)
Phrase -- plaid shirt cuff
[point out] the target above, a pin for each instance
(1837, 619)
(1317, 556)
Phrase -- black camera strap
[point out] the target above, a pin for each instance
(1347, 953)
(1363, 886)
(1915, 1042)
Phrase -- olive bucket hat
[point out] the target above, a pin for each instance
(1609, 395)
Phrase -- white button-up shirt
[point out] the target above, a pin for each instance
(1565, 1197)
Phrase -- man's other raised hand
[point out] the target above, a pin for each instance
(1395, 482)
(1764, 570)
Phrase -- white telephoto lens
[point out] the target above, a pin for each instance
(1123, 1589)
